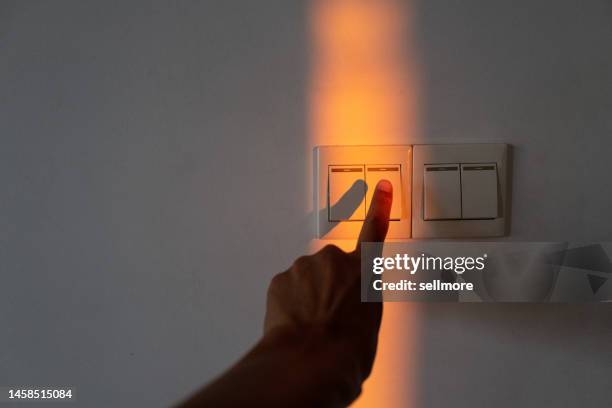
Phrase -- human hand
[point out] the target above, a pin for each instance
(319, 338)
(319, 299)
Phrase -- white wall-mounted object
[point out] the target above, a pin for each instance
(344, 179)
(392, 173)
(483, 185)
(343, 192)
(479, 191)
(440, 191)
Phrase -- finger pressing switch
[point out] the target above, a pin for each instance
(392, 173)
(441, 192)
(479, 191)
(346, 194)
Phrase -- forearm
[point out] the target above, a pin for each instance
(287, 368)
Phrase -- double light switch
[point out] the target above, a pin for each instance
(439, 190)
(351, 188)
(460, 191)
(344, 185)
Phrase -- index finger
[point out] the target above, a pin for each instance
(376, 223)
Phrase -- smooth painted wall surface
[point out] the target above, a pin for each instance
(538, 75)
(154, 163)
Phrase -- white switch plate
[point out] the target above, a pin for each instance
(412, 160)
(441, 191)
(368, 156)
(391, 173)
(347, 180)
(494, 153)
(479, 197)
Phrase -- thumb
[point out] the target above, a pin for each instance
(376, 223)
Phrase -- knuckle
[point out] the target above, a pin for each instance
(331, 249)
(276, 281)
(330, 252)
(302, 262)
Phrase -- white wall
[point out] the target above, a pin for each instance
(538, 75)
(152, 164)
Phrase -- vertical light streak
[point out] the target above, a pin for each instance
(363, 91)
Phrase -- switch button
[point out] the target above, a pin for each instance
(346, 194)
(479, 190)
(441, 192)
(392, 173)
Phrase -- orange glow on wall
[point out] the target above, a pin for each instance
(363, 91)
(362, 87)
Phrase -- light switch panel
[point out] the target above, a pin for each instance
(339, 215)
(439, 190)
(470, 202)
(392, 173)
(346, 193)
(479, 191)
(442, 192)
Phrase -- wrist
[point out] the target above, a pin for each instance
(319, 359)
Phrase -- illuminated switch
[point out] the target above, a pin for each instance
(392, 173)
(479, 191)
(346, 193)
(441, 192)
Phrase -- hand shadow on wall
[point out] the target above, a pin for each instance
(345, 207)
